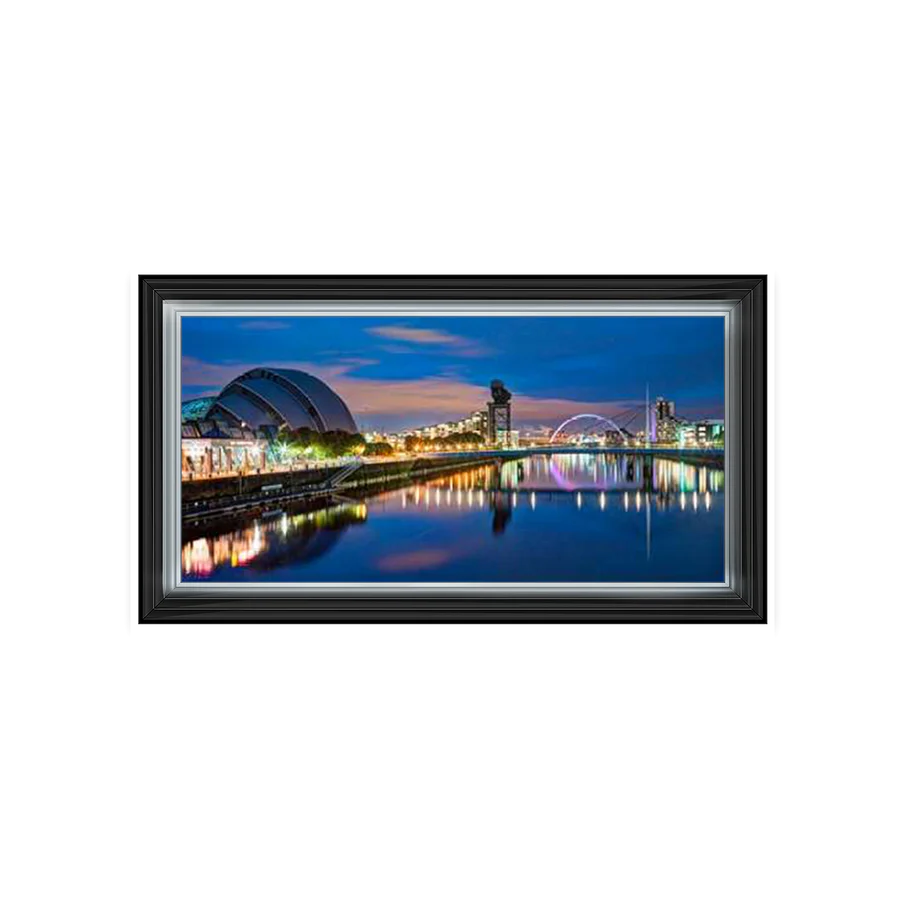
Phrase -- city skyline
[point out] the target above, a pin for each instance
(405, 372)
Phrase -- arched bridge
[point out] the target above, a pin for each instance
(596, 416)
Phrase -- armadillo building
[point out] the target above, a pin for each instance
(232, 431)
(281, 397)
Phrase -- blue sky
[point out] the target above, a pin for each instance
(397, 372)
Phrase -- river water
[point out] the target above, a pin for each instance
(566, 517)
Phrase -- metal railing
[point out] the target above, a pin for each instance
(266, 495)
(343, 474)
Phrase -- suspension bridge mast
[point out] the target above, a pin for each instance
(647, 425)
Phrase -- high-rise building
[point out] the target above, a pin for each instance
(666, 425)
(475, 421)
(665, 409)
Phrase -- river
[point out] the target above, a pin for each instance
(562, 517)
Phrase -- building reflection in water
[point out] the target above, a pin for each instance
(644, 483)
(501, 517)
(270, 541)
(568, 474)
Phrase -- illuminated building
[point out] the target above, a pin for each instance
(233, 431)
(705, 433)
(711, 431)
(664, 428)
(192, 410)
(665, 409)
(475, 422)
(210, 448)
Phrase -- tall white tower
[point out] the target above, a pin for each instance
(647, 426)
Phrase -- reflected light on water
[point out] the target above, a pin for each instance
(242, 546)
(278, 538)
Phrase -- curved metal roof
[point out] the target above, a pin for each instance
(284, 397)
(331, 408)
(238, 408)
(196, 408)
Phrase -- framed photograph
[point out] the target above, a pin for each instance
(452, 449)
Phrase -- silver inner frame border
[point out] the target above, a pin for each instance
(173, 312)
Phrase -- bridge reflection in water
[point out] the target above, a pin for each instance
(561, 517)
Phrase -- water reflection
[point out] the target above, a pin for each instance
(607, 471)
(435, 530)
(302, 536)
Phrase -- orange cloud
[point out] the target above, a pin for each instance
(438, 399)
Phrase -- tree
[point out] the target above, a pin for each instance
(322, 445)
(379, 448)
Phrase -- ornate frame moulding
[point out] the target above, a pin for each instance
(739, 300)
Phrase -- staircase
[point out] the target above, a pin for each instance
(342, 475)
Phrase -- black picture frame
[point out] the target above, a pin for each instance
(744, 601)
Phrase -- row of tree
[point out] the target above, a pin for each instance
(308, 444)
(304, 442)
(463, 440)
(379, 448)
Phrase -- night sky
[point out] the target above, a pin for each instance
(403, 372)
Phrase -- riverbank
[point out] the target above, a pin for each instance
(209, 498)
(213, 498)
(712, 458)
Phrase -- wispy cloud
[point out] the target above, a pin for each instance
(198, 373)
(432, 338)
(264, 325)
(416, 335)
(356, 362)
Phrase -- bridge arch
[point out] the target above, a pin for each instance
(588, 416)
